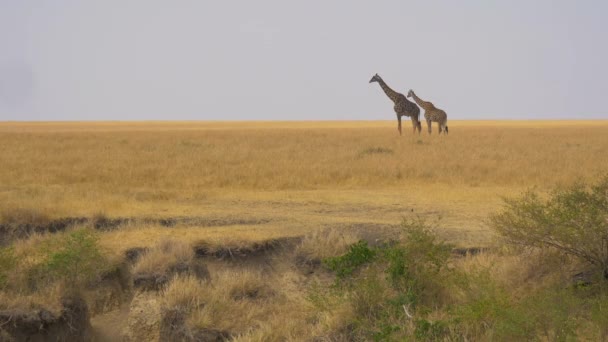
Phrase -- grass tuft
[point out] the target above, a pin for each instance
(375, 150)
(324, 243)
(167, 253)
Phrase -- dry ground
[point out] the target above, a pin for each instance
(234, 183)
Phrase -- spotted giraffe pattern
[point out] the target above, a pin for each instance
(431, 113)
(403, 107)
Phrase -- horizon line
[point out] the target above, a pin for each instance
(270, 120)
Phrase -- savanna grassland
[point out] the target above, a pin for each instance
(221, 196)
(297, 173)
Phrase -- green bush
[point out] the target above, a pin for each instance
(401, 279)
(368, 297)
(7, 264)
(358, 254)
(487, 312)
(573, 220)
(74, 259)
(408, 291)
(417, 268)
(430, 331)
(555, 313)
(599, 316)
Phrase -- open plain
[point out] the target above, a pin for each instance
(289, 177)
(233, 185)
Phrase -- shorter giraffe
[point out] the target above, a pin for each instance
(403, 107)
(431, 113)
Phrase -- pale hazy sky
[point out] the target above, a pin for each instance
(299, 60)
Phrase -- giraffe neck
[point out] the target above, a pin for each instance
(393, 95)
(425, 105)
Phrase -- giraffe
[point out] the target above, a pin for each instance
(403, 107)
(431, 113)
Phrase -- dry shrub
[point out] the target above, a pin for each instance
(288, 315)
(522, 272)
(279, 327)
(184, 293)
(226, 300)
(165, 254)
(248, 285)
(17, 260)
(50, 299)
(335, 325)
(324, 243)
(234, 301)
(265, 332)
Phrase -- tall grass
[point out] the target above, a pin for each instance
(167, 162)
(81, 169)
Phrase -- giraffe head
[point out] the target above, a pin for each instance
(375, 78)
(410, 93)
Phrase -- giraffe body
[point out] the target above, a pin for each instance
(431, 113)
(402, 107)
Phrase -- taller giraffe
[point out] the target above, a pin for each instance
(431, 113)
(403, 107)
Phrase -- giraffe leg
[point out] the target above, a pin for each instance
(428, 124)
(414, 125)
(399, 126)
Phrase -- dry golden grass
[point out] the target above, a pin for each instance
(50, 299)
(268, 303)
(15, 216)
(230, 301)
(521, 273)
(184, 293)
(165, 254)
(324, 243)
(299, 175)
(174, 163)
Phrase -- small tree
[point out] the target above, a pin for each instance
(573, 220)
